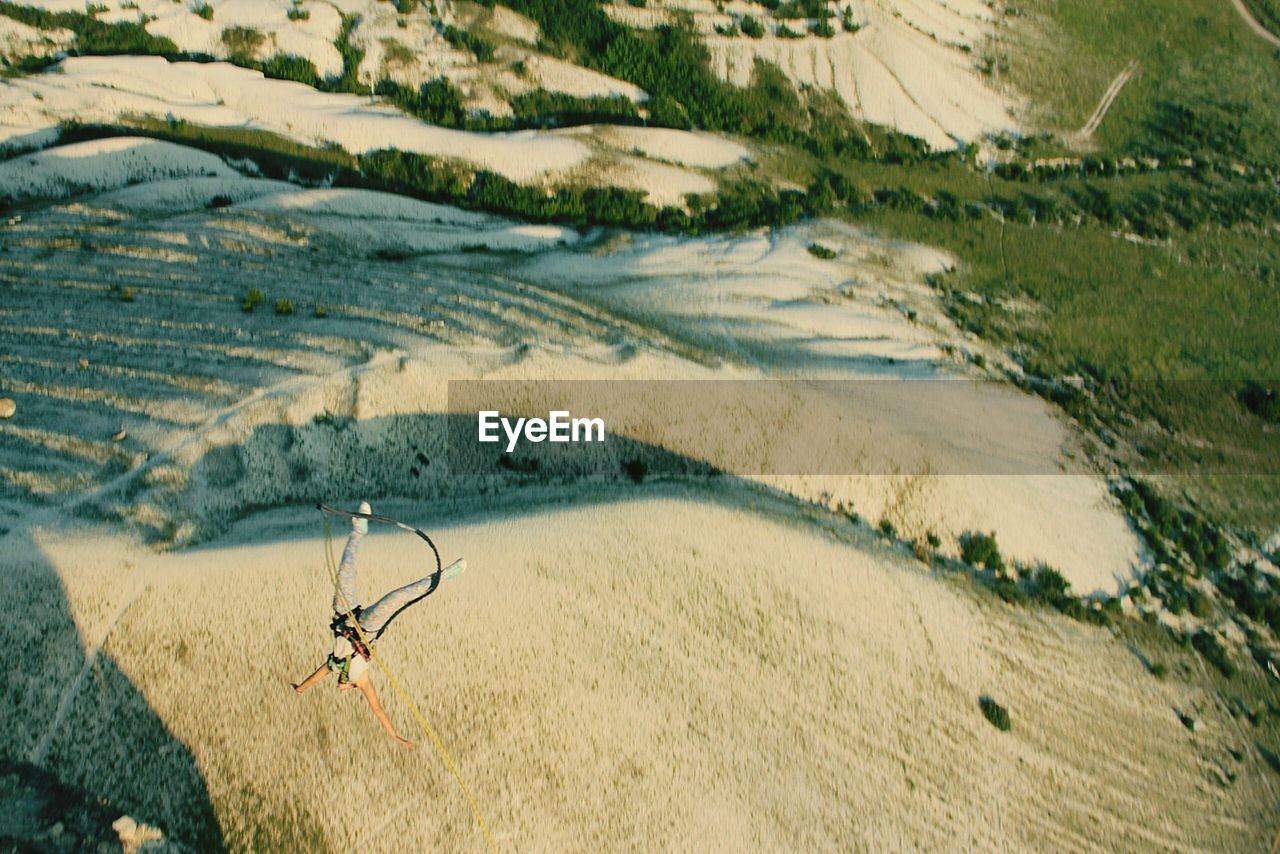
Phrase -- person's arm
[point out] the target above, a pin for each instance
(321, 672)
(366, 687)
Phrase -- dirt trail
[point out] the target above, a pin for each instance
(1254, 23)
(1108, 98)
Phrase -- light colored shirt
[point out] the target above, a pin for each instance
(341, 649)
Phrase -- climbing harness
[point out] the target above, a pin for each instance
(366, 642)
(342, 627)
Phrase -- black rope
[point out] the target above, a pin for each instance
(325, 508)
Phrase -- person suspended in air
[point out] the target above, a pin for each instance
(351, 656)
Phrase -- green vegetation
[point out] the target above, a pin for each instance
(395, 53)
(352, 56)
(436, 101)
(126, 295)
(673, 66)
(997, 714)
(251, 300)
(479, 47)
(541, 108)
(275, 155)
(93, 36)
(242, 43)
(979, 549)
(297, 13)
(1208, 645)
(287, 66)
(284, 306)
(1267, 12)
(817, 250)
(203, 10)
(751, 27)
(1189, 52)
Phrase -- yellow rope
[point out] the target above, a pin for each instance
(418, 716)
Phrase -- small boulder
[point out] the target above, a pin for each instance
(7, 407)
(121, 436)
(134, 834)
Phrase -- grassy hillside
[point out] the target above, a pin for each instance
(1062, 54)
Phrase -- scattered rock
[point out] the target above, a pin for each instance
(997, 714)
(83, 363)
(7, 407)
(134, 835)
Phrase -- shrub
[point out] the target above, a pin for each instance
(933, 539)
(1049, 586)
(822, 29)
(297, 13)
(785, 32)
(978, 549)
(1208, 645)
(289, 66)
(997, 714)
(219, 201)
(284, 306)
(204, 10)
(541, 108)
(1201, 605)
(394, 53)
(126, 295)
(463, 40)
(252, 300)
(636, 470)
(92, 35)
(751, 27)
(1008, 590)
(1159, 670)
(242, 43)
(436, 101)
(817, 250)
(886, 528)
(321, 311)
(1262, 401)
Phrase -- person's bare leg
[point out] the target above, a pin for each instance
(321, 672)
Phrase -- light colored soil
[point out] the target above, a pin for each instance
(711, 664)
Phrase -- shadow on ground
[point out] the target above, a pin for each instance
(73, 713)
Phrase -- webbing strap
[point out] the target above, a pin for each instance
(426, 727)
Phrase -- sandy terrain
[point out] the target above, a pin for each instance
(910, 66)
(759, 307)
(408, 48)
(691, 662)
(665, 669)
(112, 89)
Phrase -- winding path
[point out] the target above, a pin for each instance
(1255, 24)
(1108, 98)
